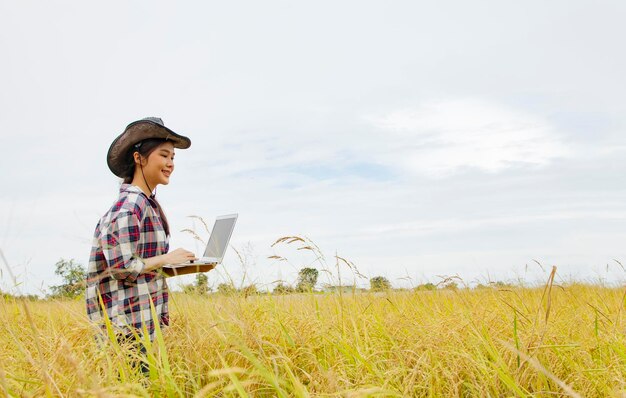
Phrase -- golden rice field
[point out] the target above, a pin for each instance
(563, 341)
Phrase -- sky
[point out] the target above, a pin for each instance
(417, 140)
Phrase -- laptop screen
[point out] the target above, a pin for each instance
(220, 236)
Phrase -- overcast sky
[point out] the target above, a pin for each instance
(415, 139)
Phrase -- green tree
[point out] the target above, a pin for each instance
(451, 285)
(379, 284)
(73, 275)
(7, 296)
(426, 286)
(307, 279)
(250, 290)
(282, 288)
(226, 288)
(202, 283)
(200, 286)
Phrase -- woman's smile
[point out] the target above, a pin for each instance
(160, 165)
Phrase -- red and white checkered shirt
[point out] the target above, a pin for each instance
(129, 232)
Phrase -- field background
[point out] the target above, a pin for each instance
(547, 341)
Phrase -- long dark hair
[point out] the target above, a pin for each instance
(145, 148)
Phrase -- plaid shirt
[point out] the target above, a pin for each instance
(129, 232)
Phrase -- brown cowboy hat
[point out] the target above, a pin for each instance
(150, 127)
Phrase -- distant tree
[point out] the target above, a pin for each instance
(282, 288)
(202, 283)
(451, 285)
(73, 275)
(200, 286)
(426, 286)
(250, 290)
(226, 288)
(307, 279)
(30, 297)
(496, 284)
(379, 284)
(481, 286)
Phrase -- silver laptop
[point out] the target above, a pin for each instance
(217, 244)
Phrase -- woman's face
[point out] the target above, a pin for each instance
(160, 165)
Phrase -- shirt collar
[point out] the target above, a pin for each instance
(135, 189)
(130, 188)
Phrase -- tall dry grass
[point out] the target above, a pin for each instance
(483, 342)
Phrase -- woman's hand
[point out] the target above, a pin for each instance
(174, 257)
(178, 256)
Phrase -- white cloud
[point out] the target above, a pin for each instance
(441, 138)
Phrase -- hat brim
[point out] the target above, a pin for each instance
(135, 132)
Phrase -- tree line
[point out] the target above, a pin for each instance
(73, 276)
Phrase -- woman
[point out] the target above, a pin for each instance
(130, 244)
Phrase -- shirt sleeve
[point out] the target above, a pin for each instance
(120, 247)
